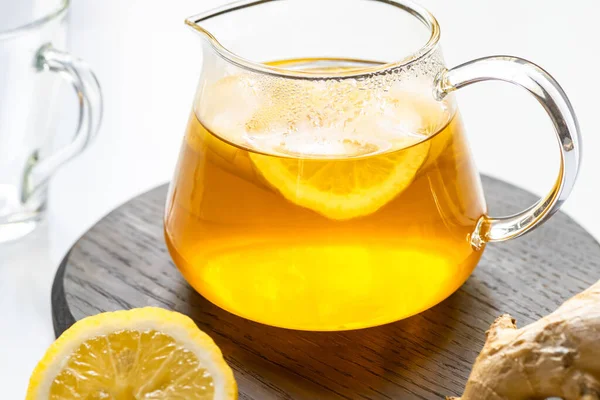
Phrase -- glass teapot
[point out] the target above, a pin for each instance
(324, 182)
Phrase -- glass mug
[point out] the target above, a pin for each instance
(318, 189)
(30, 62)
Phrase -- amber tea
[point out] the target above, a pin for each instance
(310, 225)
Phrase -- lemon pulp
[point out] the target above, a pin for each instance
(132, 365)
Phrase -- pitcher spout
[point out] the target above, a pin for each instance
(238, 34)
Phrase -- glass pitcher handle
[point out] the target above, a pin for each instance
(554, 100)
(89, 97)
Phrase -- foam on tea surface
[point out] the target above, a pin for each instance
(321, 118)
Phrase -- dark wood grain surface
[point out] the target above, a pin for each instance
(122, 263)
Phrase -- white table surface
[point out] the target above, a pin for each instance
(147, 63)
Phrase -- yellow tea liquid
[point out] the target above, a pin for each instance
(318, 230)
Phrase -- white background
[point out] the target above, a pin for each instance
(147, 63)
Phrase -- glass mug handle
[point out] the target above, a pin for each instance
(89, 96)
(554, 100)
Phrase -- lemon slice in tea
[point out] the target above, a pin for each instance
(147, 353)
(347, 188)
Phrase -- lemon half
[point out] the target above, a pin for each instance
(342, 189)
(147, 353)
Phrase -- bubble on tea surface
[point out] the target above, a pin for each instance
(319, 118)
(317, 143)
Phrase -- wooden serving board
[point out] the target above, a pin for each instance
(122, 263)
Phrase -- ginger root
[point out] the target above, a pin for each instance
(557, 356)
